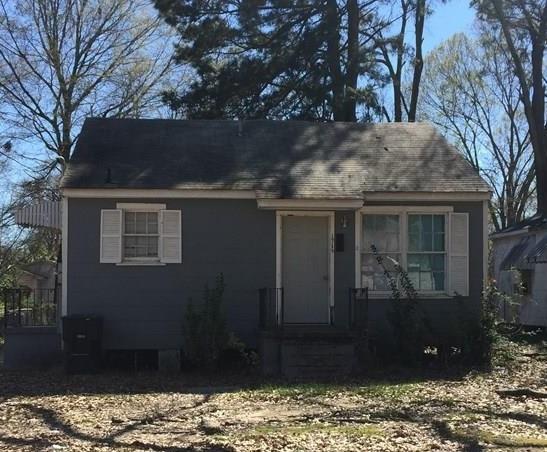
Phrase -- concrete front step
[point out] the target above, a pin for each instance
(316, 359)
(308, 352)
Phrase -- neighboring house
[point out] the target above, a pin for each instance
(520, 269)
(39, 276)
(155, 209)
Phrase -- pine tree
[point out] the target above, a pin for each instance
(300, 59)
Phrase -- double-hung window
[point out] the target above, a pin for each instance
(419, 242)
(140, 235)
(426, 258)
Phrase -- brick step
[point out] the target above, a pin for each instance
(319, 359)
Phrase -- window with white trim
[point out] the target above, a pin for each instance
(140, 235)
(136, 233)
(416, 241)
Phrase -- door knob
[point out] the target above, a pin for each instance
(325, 278)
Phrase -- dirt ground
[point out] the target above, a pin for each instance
(154, 412)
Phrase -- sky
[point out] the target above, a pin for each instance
(452, 17)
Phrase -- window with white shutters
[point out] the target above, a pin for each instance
(140, 234)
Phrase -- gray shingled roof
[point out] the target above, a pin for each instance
(288, 159)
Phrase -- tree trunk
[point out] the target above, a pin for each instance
(418, 59)
(350, 100)
(396, 77)
(333, 58)
(534, 108)
(537, 121)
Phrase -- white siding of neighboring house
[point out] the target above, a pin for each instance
(533, 308)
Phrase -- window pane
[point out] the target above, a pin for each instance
(426, 232)
(438, 242)
(141, 222)
(152, 248)
(152, 223)
(140, 246)
(414, 233)
(438, 232)
(372, 274)
(129, 219)
(382, 231)
(426, 271)
(427, 223)
(437, 264)
(438, 223)
(130, 246)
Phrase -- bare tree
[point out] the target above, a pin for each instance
(472, 93)
(523, 26)
(63, 60)
(398, 56)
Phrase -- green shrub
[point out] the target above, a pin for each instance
(408, 321)
(483, 344)
(208, 344)
(236, 357)
(205, 331)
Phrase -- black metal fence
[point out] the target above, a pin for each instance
(30, 307)
(270, 313)
(271, 309)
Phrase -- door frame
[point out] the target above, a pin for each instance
(279, 214)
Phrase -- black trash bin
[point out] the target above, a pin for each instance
(82, 339)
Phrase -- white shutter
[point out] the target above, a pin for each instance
(459, 254)
(111, 236)
(171, 241)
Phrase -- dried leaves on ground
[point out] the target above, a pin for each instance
(154, 412)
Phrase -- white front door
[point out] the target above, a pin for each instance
(305, 269)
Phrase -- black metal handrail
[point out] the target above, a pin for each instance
(29, 307)
(358, 308)
(270, 313)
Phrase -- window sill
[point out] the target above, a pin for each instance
(140, 264)
(421, 295)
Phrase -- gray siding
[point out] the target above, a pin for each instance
(143, 307)
(445, 315)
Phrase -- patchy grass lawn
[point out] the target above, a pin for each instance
(154, 412)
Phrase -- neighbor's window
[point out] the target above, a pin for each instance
(140, 235)
(426, 258)
(382, 231)
(523, 285)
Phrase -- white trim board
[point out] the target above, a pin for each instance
(64, 257)
(311, 204)
(405, 209)
(427, 196)
(279, 246)
(140, 207)
(156, 193)
(485, 223)
(267, 203)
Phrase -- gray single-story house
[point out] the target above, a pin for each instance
(155, 209)
(520, 269)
